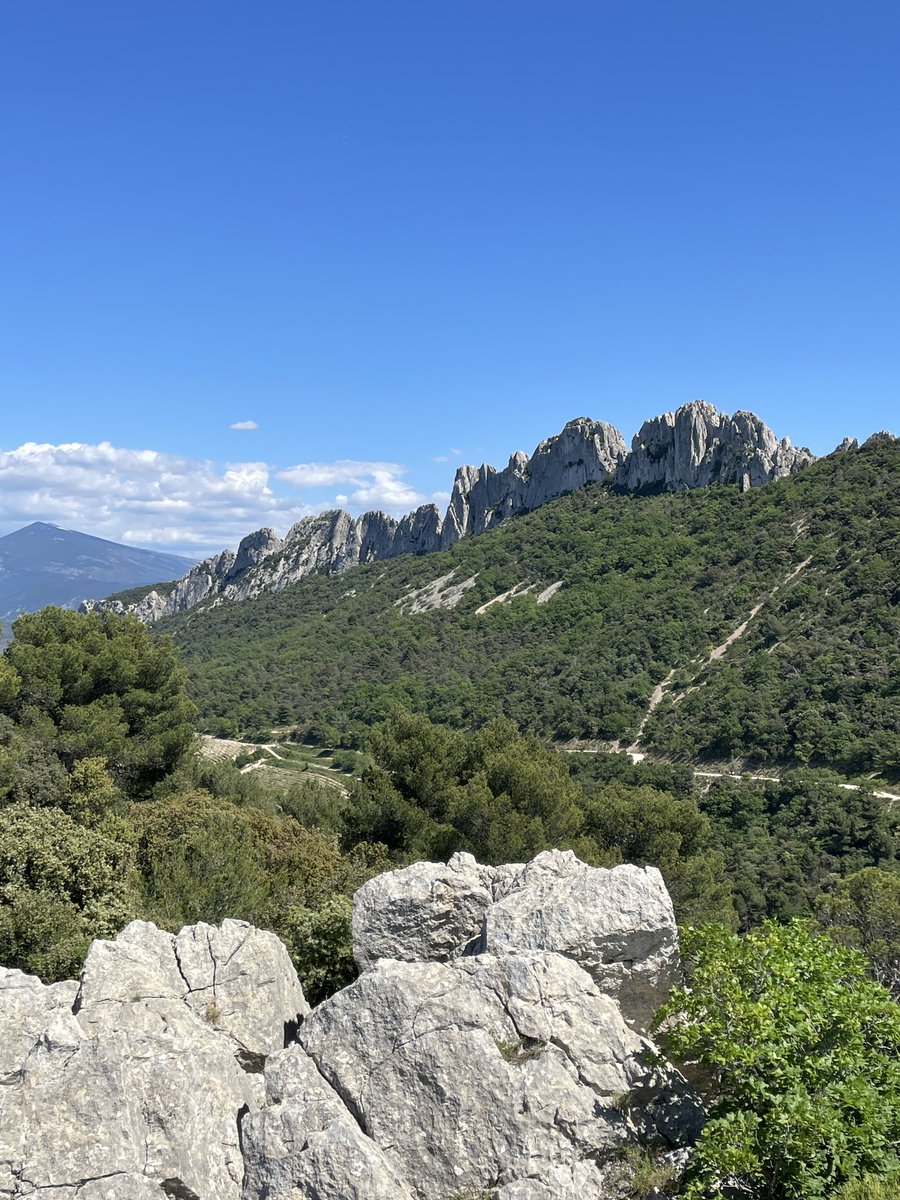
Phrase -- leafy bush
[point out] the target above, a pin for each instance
(61, 885)
(802, 1051)
(870, 1187)
(320, 945)
(863, 910)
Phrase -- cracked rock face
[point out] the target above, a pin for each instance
(133, 1082)
(697, 445)
(617, 924)
(428, 911)
(306, 1142)
(494, 1061)
(473, 1074)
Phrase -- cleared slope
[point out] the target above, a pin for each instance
(650, 585)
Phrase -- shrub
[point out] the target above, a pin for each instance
(803, 1055)
(320, 945)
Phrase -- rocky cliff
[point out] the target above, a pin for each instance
(494, 1045)
(693, 447)
(698, 445)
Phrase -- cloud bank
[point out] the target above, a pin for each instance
(184, 505)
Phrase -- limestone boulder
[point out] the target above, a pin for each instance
(485, 1070)
(617, 924)
(143, 1070)
(27, 1006)
(305, 1142)
(149, 1094)
(425, 912)
(242, 980)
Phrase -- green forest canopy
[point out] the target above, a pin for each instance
(650, 585)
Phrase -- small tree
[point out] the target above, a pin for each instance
(98, 685)
(802, 1052)
(864, 911)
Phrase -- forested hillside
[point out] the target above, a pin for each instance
(107, 813)
(771, 617)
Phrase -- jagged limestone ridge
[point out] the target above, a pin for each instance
(692, 447)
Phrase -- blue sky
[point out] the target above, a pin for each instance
(397, 233)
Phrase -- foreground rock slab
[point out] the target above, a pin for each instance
(490, 1049)
(134, 1082)
(490, 1069)
(426, 912)
(617, 924)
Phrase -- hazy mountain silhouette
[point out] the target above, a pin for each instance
(43, 564)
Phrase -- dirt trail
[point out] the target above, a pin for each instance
(717, 652)
(847, 787)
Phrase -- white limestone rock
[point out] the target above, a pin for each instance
(27, 1006)
(305, 1142)
(482, 1071)
(150, 1076)
(234, 977)
(496, 1073)
(618, 924)
(425, 912)
(697, 445)
(150, 1092)
(242, 979)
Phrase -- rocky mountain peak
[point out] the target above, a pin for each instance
(697, 445)
(694, 446)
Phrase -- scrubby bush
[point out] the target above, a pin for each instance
(802, 1052)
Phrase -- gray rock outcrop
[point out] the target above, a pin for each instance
(617, 924)
(305, 1141)
(483, 1051)
(693, 447)
(501, 1067)
(135, 1083)
(585, 452)
(428, 912)
(28, 1007)
(698, 445)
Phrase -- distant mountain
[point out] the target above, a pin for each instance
(43, 564)
(690, 448)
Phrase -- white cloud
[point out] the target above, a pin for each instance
(345, 470)
(244, 425)
(142, 496)
(442, 458)
(189, 506)
(376, 484)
